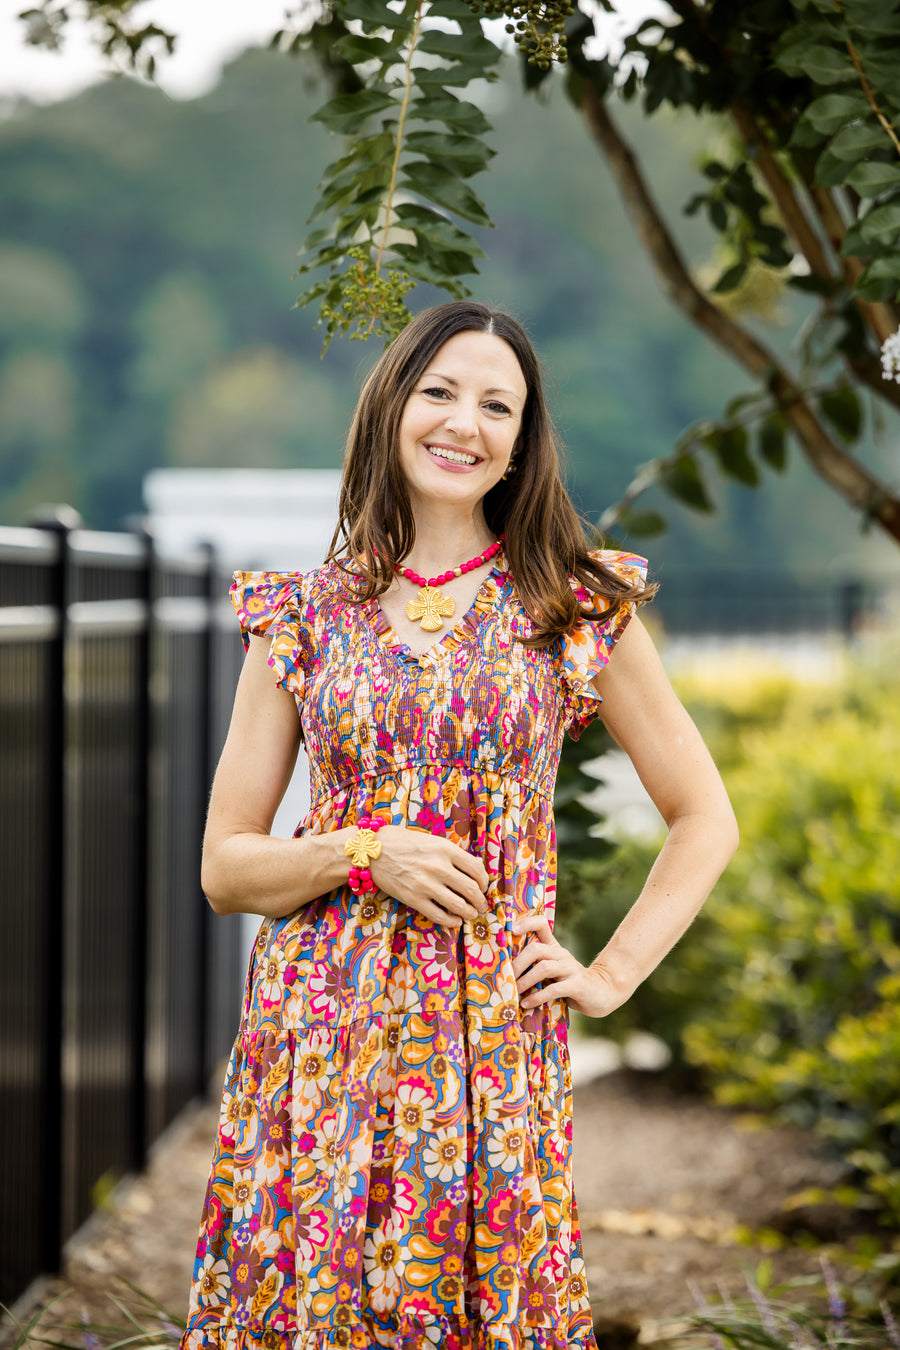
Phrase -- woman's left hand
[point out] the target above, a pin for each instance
(587, 990)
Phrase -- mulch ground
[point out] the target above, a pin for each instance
(667, 1187)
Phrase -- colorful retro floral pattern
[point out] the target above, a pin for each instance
(393, 1160)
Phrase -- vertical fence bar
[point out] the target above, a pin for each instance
(144, 589)
(59, 521)
(851, 607)
(204, 774)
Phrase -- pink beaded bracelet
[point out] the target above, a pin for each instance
(363, 848)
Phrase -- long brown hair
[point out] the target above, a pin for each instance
(545, 541)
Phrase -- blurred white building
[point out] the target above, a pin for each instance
(278, 520)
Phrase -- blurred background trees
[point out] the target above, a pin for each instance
(160, 240)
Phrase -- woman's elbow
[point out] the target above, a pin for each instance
(728, 834)
(211, 884)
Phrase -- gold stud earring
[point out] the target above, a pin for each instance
(510, 468)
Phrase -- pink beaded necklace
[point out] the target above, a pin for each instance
(429, 606)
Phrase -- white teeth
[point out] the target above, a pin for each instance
(454, 456)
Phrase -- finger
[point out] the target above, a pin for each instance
(455, 903)
(534, 923)
(540, 973)
(468, 889)
(559, 989)
(531, 952)
(430, 910)
(472, 866)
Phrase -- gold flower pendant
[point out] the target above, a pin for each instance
(431, 608)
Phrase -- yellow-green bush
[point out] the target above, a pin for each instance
(784, 993)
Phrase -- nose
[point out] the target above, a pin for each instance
(462, 419)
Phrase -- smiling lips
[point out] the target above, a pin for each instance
(450, 456)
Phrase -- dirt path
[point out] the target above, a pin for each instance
(662, 1184)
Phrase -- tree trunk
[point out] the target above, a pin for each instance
(841, 471)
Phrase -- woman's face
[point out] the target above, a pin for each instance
(461, 420)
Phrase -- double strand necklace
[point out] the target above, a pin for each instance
(430, 607)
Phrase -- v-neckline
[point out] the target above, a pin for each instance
(484, 599)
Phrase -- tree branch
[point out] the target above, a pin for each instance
(792, 212)
(882, 318)
(845, 474)
(879, 318)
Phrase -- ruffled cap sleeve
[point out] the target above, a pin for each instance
(586, 647)
(272, 604)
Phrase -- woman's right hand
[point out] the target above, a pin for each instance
(431, 875)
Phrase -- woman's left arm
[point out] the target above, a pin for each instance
(645, 717)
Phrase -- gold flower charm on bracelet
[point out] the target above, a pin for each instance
(431, 607)
(363, 847)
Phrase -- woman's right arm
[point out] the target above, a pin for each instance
(245, 871)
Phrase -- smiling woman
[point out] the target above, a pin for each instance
(393, 1163)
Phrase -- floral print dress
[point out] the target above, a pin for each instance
(393, 1159)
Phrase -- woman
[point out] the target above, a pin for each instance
(393, 1160)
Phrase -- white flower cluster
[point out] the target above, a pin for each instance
(890, 357)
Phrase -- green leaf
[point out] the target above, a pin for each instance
(357, 48)
(455, 112)
(772, 442)
(811, 284)
(718, 215)
(729, 445)
(467, 154)
(645, 523)
(731, 278)
(873, 177)
(453, 9)
(457, 76)
(853, 141)
(374, 13)
(882, 225)
(437, 229)
(472, 49)
(804, 136)
(844, 411)
(854, 243)
(833, 111)
(368, 150)
(682, 479)
(446, 190)
(831, 171)
(418, 265)
(880, 280)
(348, 112)
(818, 61)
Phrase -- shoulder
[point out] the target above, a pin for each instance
(260, 598)
(623, 568)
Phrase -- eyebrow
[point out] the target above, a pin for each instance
(495, 389)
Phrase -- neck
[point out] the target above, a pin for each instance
(446, 537)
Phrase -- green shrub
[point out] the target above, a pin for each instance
(783, 995)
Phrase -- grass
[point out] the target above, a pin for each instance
(147, 1323)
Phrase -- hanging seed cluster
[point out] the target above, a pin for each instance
(539, 28)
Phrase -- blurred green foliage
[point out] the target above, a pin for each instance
(146, 255)
(783, 995)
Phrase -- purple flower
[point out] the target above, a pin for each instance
(837, 1304)
(890, 1323)
(764, 1308)
(91, 1342)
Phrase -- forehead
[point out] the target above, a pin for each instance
(480, 358)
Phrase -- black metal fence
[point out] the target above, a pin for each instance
(119, 988)
(732, 604)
